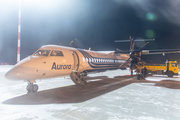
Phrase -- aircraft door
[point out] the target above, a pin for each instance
(76, 61)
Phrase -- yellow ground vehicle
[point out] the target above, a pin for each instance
(170, 68)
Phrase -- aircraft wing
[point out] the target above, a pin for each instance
(160, 51)
(147, 52)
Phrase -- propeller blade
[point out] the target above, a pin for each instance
(132, 46)
(122, 51)
(121, 41)
(124, 62)
(141, 40)
(142, 47)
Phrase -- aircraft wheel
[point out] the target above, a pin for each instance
(29, 87)
(35, 88)
(77, 79)
(32, 87)
(142, 76)
(131, 72)
(138, 76)
(85, 82)
(144, 72)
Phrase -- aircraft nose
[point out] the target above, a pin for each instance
(14, 74)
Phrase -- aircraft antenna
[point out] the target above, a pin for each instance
(19, 33)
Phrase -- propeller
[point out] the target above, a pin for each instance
(135, 55)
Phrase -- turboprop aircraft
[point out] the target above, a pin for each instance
(54, 61)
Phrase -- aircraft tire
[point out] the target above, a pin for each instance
(84, 81)
(77, 79)
(29, 87)
(138, 76)
(35, 88)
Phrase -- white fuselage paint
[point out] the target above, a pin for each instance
(39, 67)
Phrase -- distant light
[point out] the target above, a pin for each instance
(150, 33)
(151, 16)
(70, 43)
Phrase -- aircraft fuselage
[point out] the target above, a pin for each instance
(54, 61)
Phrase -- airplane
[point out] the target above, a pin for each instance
(54, 61)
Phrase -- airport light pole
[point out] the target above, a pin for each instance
(19, 33)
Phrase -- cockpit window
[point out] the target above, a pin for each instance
(174, 65)
(56, 53)
(42, 53)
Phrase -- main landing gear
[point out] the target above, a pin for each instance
(77, 78)
(31, 87)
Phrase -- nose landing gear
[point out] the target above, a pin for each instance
(31, 87)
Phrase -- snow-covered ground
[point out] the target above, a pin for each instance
(109, 95)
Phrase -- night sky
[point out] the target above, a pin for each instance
(89, 23)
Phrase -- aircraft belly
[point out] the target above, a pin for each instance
(28, 73)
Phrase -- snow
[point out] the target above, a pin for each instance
(109, 95)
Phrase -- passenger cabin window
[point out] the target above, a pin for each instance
(42, 53)
(56, 53)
